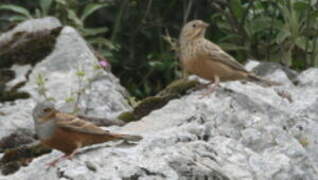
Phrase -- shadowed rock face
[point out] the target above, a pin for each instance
(22, 46)
(242, 131)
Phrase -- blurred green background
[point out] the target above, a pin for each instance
(130, 33)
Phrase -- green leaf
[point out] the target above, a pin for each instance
(102, 41)
(40, 80)
(259, 24)
(237, 8)
(90, 9)
(45, 6)
(80, 73)
(231, 47)
(16, 9)
(37, 13)
(16, 18)
(93, 31)
(230, 37)
(73, 17)
(301, 42)
(62, 2)
(70, 99)
(51, 99)
(155, 64)
(301, 6)
(282, 35)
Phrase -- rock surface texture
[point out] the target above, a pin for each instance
(240, 132)
(70, 68)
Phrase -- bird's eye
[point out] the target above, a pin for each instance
(194, 25)
(47, 109)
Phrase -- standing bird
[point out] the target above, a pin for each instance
(67, 133)
(202, 57)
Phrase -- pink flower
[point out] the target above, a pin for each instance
(103, 63)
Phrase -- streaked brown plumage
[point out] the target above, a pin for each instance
(67, 133)
(202, 57)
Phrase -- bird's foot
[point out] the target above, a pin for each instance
(213, 87)
(209, 91)
(203, 86)
(54, 162)
(69, 157)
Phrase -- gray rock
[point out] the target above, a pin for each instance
(31, 26)
(309, 77)
(102, 96)
(242, 131)
(266, 68)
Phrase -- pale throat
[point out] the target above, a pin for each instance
(45, 130)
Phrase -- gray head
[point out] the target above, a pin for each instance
(42, 109)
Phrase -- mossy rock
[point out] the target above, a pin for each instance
(6, 75)
(174, 90)
(127, 116)
(178, 88)
(149, 104)
(23, 48)
(16, 139)
(13, 159)
(27, 47)
(13, 95)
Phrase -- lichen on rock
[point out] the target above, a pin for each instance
(174, 90)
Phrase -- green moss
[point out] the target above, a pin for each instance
(10, 168)
(6, 75)
(16, 139)
(127, 116)
(13, 95)
(13, 159)
(16, 154)
(174, 90)
(178, 87)
(27, 47)
(149, 104)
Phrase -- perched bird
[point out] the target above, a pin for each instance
(67, 133)
(202, 57)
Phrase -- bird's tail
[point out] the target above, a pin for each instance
(266, 82)
(129, 137)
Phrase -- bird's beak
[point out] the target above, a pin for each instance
(204, 25)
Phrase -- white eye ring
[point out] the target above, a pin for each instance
(194, 25)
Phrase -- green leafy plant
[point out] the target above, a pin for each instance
(41, 88)
(129, 33)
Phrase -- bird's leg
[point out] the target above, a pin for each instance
(54, 162)
(215, 84)
(71, 156)
(65, 156)
(204, 86)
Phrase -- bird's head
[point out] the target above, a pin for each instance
(42, 109)
(193, 30)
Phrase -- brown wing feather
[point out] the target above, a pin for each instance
(73, 123)
(217, 54)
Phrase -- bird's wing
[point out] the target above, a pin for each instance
(215, 53)
(74, 123)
